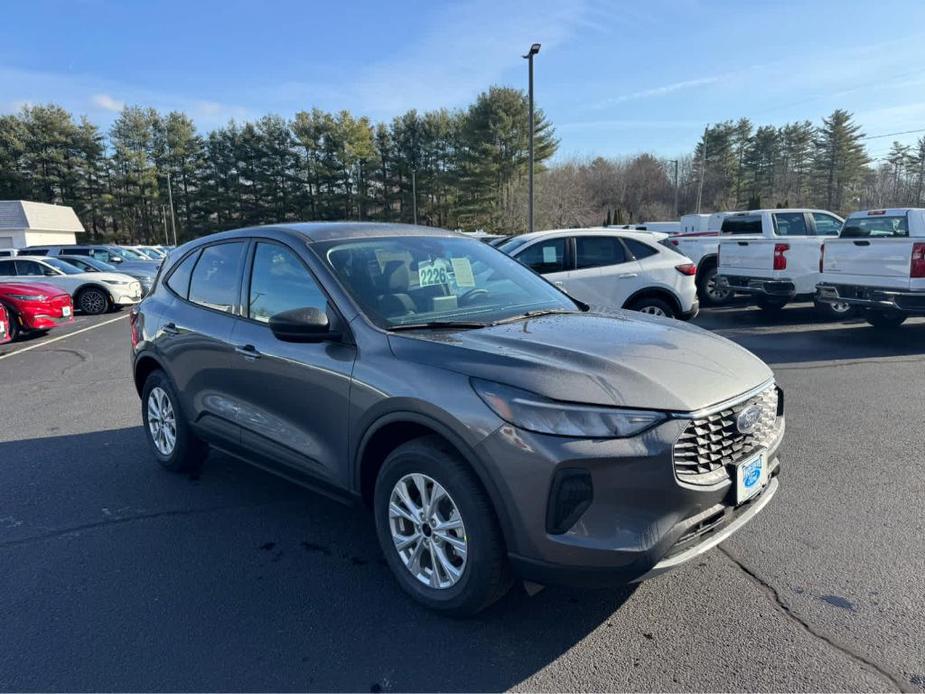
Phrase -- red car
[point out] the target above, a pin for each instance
(4, 326)
(35, 306)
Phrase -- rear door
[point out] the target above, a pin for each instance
(194, 337)
(605, 274)
(874, 250)
(549, 257)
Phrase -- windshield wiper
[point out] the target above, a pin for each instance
(533, 314)
(439, 325)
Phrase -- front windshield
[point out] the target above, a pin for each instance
(64, 267)
(512, 244)
(410, 280)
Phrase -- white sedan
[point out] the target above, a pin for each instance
(612, 269)
(92, 292)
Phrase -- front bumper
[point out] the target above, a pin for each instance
(872, 297)
(128, 296)
(641, 521)
(760, 286)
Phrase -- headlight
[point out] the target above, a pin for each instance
(535, 413)
(28, 297)
(116, 282)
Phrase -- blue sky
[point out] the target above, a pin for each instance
(615, 78)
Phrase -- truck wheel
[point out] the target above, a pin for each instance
(709, 290)
(835, 311)
(770, 304)
(885, 319)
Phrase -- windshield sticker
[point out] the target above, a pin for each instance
(462, 270)
(431, 273)
(549, 254)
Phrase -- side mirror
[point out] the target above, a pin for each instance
(116, 259)
(302, 325)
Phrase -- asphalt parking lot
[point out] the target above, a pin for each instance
(117, 575)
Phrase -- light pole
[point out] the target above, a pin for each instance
(703, 168)
(677, 211)
(534, 49)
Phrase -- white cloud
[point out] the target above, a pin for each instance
(105, 101)
(666, 89)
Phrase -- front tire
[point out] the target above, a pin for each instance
(168, 433)
(13, 320)
(885, 320)
(94, 301)
(437, 529)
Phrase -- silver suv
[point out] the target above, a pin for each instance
(498, 428)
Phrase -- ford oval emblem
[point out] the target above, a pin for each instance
(748, 419)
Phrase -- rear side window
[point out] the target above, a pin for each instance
(790, 224)
(742, 224)
(179, 278)
(7, 269)
(36, 251)
(215, 279)
(82, 251)
(545, 256)
(639, 249)
(875, 227)
(598, 251)
(31, 268)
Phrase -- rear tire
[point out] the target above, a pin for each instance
(94, 301)
(770, 304)
(837, 311)
(654, 307)
(709, 290)
(885, 320)
(168, 433)
(458, 571)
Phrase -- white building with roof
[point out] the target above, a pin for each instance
(24, 223)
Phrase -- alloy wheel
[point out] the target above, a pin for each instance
(93, 302)
(653, 310)
(428, 531)
(162, 421)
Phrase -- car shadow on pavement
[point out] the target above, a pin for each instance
(125, 576)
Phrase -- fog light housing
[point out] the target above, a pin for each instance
(570, 496)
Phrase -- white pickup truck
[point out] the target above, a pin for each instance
(877, 264)
(699, 241)
(773, 255)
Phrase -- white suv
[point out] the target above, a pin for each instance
(878, 265)
(612, 269)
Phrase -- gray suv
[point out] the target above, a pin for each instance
(497, 428)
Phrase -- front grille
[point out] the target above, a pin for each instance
(709, 444)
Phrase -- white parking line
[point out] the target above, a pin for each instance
(63, 337)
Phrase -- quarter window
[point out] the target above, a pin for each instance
(215, 279)
(280, 282)
(545, 256)
(639, 249)
(179, 278)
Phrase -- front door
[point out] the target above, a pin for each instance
(293, 397)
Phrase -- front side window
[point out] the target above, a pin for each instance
(544, 256)
(790, 224)
(60, 266)
(280, 282)
(826, 224)
(410, 280)
(876, 227)
(215, 279)
(598, 251)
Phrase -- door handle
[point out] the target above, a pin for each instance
(170, 329)
(248, 351)
(628, 275)
(742, 243)
(862, 243)
(559, 283)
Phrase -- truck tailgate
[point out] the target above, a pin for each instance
(870, 262)
(744, 256)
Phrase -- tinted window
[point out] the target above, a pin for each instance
(214, 282)
(639, 249)
(742, 224)
(790, 224)
(7, 269)
(80, 251)
(36, 251)
(876, 227)
(280, 282)
(179, 278)
(30, 267)
(826, 224)
(545, 256)
(598, 251)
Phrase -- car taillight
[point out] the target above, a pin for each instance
(675, 242)
(821, 256)
(135, 328)
(918, 261)
(686, 269)
(780, 260)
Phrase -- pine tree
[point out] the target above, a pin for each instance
(840, 159)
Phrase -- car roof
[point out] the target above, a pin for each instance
(884, 211)
(314, 232)
(782, 209)
(595, 231)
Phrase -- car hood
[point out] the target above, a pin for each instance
(619, 358)
(140, 265)
(7, 288)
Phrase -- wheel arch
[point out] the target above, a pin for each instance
(91, 285)
(391, 430)
(144, 366)
(655, 293)
(707, 262)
